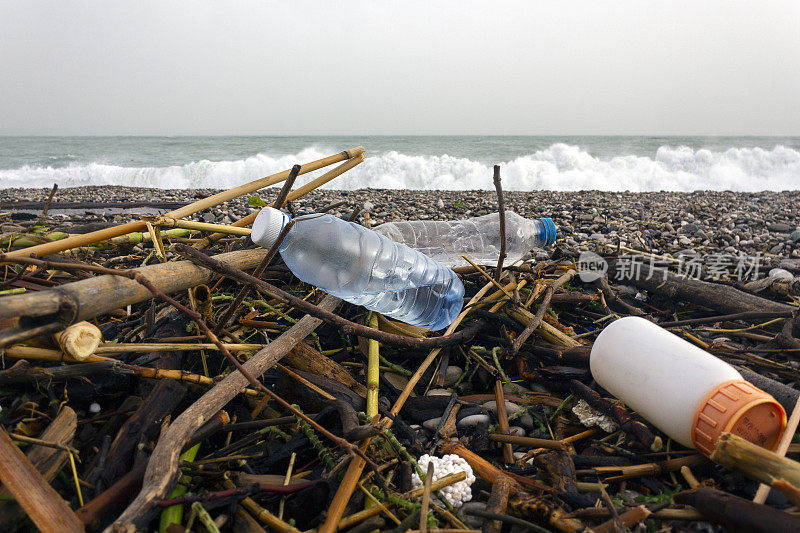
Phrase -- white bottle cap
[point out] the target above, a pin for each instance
(267, 226)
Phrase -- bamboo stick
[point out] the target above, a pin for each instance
(373, 371)
(138, 237)
(190, 209)
(548, 332)
(168, 222)
(27, 240)
(687, 474)
(343, 493)
(401, 328)
(529, 441)
(356, 159)
(493, 281)
(300, 379)
(144, 347)
(426, 499)
(44, 354)
(512, 286)
(40, 354)
(80, 300)
(649, 469)
(497, 504)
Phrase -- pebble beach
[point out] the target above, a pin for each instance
(702, 222)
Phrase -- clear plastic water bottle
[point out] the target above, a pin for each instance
(364, 268)
(478, 238)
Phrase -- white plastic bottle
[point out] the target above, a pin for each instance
(478, 238)
(364, 268)
(684, 391)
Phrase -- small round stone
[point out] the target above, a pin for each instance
(473, 420)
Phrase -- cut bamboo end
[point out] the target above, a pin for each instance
(79, 340)
(353, 152)
(202, 296)
(755, 462)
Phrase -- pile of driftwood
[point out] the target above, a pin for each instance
(214, 391)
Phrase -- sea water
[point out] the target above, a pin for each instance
(411, 162)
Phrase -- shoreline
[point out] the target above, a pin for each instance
(708, 222)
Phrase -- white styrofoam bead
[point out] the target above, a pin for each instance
(457, 493)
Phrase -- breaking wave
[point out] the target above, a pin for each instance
(559, 167)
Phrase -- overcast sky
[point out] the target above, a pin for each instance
(375, 67)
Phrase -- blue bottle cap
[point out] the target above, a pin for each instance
(548, 232)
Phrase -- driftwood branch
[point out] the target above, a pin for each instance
(534, 324)
(723, 298)
(619, 414)
(40, 501)
(162, 468)
(738, 514)
(48, 458)
(501, 213)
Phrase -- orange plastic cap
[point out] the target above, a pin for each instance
(740, 408)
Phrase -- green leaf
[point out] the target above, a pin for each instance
(174, 513)
(255, 201)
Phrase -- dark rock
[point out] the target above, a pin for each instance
(780, 227)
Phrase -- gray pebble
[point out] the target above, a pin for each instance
(432, 424)
(511, 407)
(473, 420)
(452, 375)
(525, 420)
(780, 227)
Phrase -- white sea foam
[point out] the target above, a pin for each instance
(559, 167)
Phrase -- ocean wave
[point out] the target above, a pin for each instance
(559, 167)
